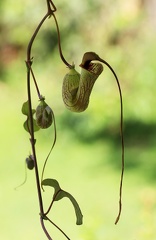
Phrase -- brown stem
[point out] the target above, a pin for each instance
(35, 82)
(32, 138)
(59, 43)
(87, 58)
(49, 151)
(58, 228)
(44, 228)
(122, 140)
(34, 36)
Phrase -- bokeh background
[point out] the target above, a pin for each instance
(87, 157)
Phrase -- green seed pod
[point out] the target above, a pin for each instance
(77, 88)
(44, 115)
(30, 162)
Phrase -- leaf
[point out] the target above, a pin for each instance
(25, 108)
(26, 125)
(25, 111)
(52, 183)
(59, 194)
(77, 209)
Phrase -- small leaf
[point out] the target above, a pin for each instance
(25, 111)
(26, 125)
(77, 209)
(59, 193)
(25, 108)
(52, 183)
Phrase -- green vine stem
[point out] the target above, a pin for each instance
(30, 73)
(54, 141)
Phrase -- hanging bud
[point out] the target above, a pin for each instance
(77, 88)
(30, 162)
(44, 115)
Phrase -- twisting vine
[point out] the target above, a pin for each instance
(44, 119)
(76, 92)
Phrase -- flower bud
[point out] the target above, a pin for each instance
(44, 115)
(70, 86)
(77, 88)
(30, 162)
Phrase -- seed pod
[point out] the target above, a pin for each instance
(30, 162)
(77, 88)
(44, 115)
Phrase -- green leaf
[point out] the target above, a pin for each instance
(25, 108)
(25, 111)
(26, 125)
(52, 183)
(77, 209)
(59, 194)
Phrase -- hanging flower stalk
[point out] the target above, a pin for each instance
(76, 92)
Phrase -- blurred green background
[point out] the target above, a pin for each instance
(87, 157)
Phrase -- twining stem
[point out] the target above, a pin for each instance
(34, 36)
(29, 62)
(35, 82)
(54, 141)
(32, 138)
(59, 43)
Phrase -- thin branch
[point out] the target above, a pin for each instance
(32, 138)
(29, 63)
(122, 139)
(34, 36)
(58, 228)
(35, 82)
(49, 4)
(53, 200)
(59, 43)
(50, 150)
